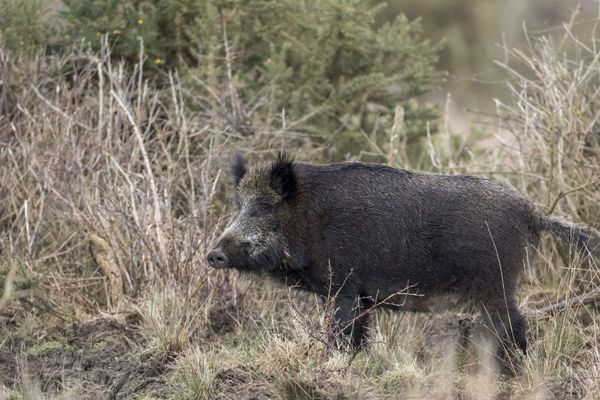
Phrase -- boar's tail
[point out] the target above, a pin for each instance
(583, 236)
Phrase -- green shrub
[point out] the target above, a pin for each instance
(322, 57)
(162, 25)
(21, 26)
(325, 59)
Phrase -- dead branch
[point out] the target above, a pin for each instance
(586, 298)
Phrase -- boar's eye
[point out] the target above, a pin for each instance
(261, 209)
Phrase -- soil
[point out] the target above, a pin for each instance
(101, 356)
(243, 383)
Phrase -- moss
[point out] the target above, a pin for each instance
(49, 347)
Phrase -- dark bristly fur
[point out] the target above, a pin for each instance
(238, 168)
(372, 231)
(283, 179)
(585, 238)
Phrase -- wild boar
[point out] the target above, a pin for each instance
(367, 232)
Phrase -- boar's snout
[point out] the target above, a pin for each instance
(217, 258)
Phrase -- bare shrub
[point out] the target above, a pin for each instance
(550, 130)
(112, 189)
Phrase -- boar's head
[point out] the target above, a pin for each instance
(260, 236)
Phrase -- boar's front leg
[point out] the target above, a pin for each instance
(352, 318)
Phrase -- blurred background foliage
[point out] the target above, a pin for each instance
(474, 33)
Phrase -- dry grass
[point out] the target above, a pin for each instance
(111, 191)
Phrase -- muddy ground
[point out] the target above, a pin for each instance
(108, 359)
(102, 356)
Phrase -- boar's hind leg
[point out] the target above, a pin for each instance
(352, 318)
(508, 325)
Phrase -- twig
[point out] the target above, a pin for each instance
(563, 194)
(586, 298)
(58, 110)
(395, 135)
(154, 190)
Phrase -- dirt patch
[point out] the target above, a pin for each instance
(224, 319)
(242, 383)
(569, 389)
(102, 357)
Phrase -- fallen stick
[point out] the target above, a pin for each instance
(585, 298)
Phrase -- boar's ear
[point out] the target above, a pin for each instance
(238, 168)
(283, 177)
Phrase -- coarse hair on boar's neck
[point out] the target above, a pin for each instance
(376, 235)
